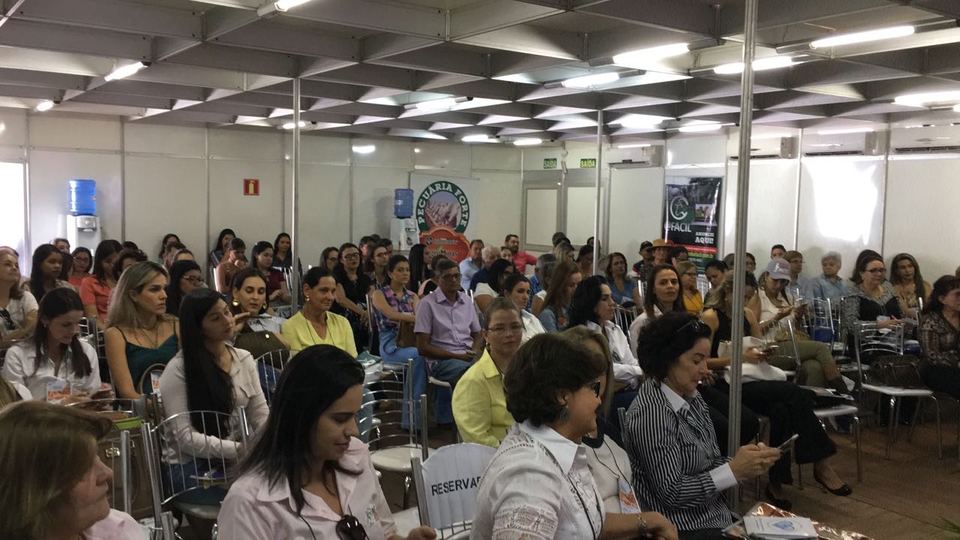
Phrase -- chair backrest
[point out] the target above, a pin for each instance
(821, 314)
(871, 339)
(624, 316)
(381, 413)
(792, 348)
(269, 366)
(447, 484)
(149, 382)
(213, 279)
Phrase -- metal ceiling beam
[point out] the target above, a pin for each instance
(124, 100)
(281, 38)
(440, 59)
(51, 94)
(839, 72)
(55, 37)
(370, 75)
(385, 45)
(149, 89)
(394, 17)
(135, 18)
(40, 79)
(787, 12)
(888, 90)
(691, 16)
(248, 61)
(528, 39)
(949, 8)
(483, 17)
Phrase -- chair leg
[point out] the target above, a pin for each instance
(856, 438)
(916, 416)
(799, 476)
(891, 425)
(936, 408)
(406, 492)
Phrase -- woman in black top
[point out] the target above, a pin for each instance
(352, 289)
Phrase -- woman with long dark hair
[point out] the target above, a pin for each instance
(96, 289)
(395, 306)
(282, 251)
(262, 257)
(625, 290)
(353, 286)
(940, 337)
(329, 258)
(873, 298)
(207, 374)
(82, 263)
(663, 295)
(185, 276)
(909, 284)
(221, 245)
(56, 365)
(593, 306)
(45, 270)
(308, 475)
(491, 288)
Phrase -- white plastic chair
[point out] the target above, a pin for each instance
(461, 465)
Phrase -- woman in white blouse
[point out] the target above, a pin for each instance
(593, 306)
(309, 476)
(207, 374)
(56, 365)
(516, 287)
(487, 291)
(538, 485)
(18, 308)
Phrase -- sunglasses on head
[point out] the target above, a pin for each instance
(350, 528)
(695, 324)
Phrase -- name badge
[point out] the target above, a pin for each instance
(155, 382)
(628, 499)
(57, 390)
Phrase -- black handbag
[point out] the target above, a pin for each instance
(895, 370)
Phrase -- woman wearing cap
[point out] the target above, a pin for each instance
(815, 365)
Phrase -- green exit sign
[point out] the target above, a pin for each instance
(549, 163)
(588, 163)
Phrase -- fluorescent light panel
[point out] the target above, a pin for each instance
(863, 37)
(641, 121)
(291, 125)
(641, 57)
(437, 104)
(125, 71)
(927, 98)
(283, 5)
(845, 131)
(364, 148)
(595, 79)
(634, 145)
(761, 64)
(529, 141)
(480, 138)
(700, 128)
(44, 106)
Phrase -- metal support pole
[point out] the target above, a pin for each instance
(294, 207)
(596, 209)
(740, 239)
(125, 489)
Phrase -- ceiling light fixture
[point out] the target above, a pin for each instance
(863, 37)
(443, 104)
(761, 64)
(364, 148)
(641, 57)
(634, 145)
(291, 125)
(588, 81)
(125, 71)
(701, 128)
(528, 141)
(274, 8)
(477, 138)
(44, 106)
(956, 108)
(927, 98)
(845, 131)
(641, 121)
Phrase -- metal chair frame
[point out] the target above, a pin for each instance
(427, 518)
(276, 359)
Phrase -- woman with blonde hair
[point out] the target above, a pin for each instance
(55, 485)
(141, 333)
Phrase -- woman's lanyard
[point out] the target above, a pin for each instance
(576, 492)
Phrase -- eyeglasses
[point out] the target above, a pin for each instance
(595, 386)
(349, 528)
(513, 329)
(7, 320)
(351, 256)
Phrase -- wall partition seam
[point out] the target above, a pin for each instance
(123, 180)
(740, 239)
(206, 166)
(796, 212)
(295, 205)
(27, 222)
(886, 181)
(596, 207)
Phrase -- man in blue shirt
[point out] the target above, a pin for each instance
(472, 264)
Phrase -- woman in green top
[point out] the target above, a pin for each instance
(141, 333)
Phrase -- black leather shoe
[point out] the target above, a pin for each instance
(841, 491)
(782, 504)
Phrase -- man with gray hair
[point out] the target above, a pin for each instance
(490, 254)
(829, 284)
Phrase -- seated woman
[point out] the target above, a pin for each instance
(816, 364)
(352, 289)
(479, 404)
(55, 365)
(829, 285)
(592, 306)
(282, 251)
(127, 258)
(428, 282)
(394, 307)
(585, 260)
(168, 240)
(546, 274)
(376, 265)
(234, 259)
(207, 374)
(538, 484)
(141, 333)
(872, 298)
(329, 258)
(45, 271)
(692, 299)
(908, 284)
(940, 337)
(221, 246)
(173, 250)
(65, 497)
(516, 287)
(789, 407)
(18, 308)
(259, 331)
(277, 291)
(487, 290)
(554, 315)
(96, 289)
(309, 476)
(315, 324)
(185, 276)
(663, 296)
(82, 261)
(624, 290)
(678, 469)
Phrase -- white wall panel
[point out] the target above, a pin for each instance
(161, 139)
(581, 208)
(166, 195)
(388, 153)
(841, 208)
(253, 218)
(324, 209)
(373, 198)
(772, 210)
(442, 156)
(541, 215)
(922, 199)
(321, 149)
(13, 127)
(244, 144)
(71, 132)
(490, 156)
(696, 149)
(50, 172)
(496, 206)
(636, 208)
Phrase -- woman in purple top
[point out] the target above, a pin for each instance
(394, 308)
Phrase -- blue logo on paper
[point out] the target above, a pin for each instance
(785, 525)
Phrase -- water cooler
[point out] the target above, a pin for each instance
(403, 227)
(83, 225)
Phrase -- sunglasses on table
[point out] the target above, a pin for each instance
(350, 528)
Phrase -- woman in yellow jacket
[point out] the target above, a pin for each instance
(315, 324)
(479, 402)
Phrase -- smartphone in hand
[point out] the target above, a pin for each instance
(786, 444)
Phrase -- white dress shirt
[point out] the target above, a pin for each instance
(538, 486)
(19, 364)
(246, 393)
(19, 308)
(626, 368)
(637, 325)
(255, 510)
(531, 326)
